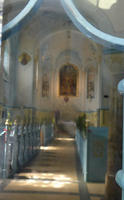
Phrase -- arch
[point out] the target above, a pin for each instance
(89, 30)
(69, 56)
(16, 23)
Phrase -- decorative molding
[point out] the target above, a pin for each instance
(16, 24)
(107, 51)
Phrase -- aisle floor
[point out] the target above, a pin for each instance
(53, 175)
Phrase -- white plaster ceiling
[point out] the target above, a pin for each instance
(48, 20)
(50, 17)
(106, 15)
(51, 31)
(68, 46)
(51, 25)
(12, 8)
(14, 2)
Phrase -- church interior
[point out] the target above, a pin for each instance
(61, 115)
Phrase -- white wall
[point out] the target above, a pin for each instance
(57, 51)
(25, 74)
(9, 67)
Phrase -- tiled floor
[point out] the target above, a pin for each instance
(96, 190)
(51, 175)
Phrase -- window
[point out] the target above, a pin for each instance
(6, 62)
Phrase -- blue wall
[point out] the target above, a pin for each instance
(92, 151)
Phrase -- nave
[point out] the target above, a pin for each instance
(54, 174)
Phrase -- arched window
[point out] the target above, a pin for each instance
(68, 80)
(6, 61)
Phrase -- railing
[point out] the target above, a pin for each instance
(92, 150)
(21, 137)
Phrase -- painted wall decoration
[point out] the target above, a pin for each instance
(24, 58)
(45, 85)
(68, 81)
(90, 84)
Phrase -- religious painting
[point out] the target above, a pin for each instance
(91, 84)
(68, 81)
(45, 85)
(24, 58)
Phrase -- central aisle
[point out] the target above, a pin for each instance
(52, 175)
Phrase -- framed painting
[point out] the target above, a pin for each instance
(68, 81)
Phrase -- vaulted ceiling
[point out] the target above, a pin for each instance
(51, 27)
(105, 15)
